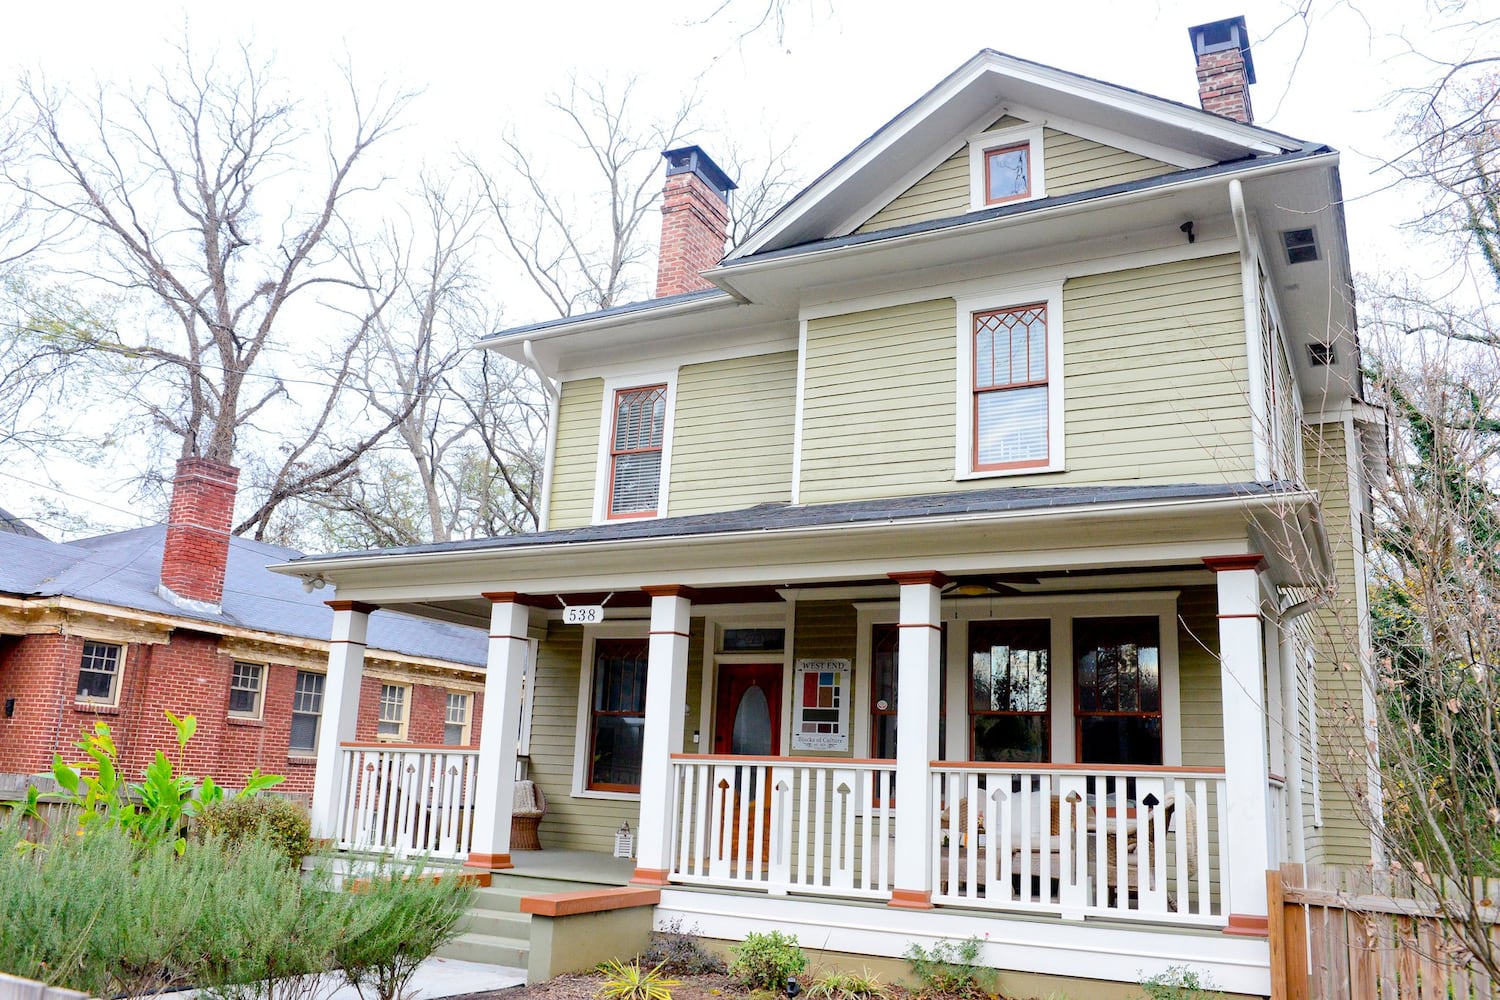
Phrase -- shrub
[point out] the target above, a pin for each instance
(679, 953)
(836, 985)
(630, 982)
(1177, 983)
(951, 969)
(280, 822)
(767, 961)
(393, 923)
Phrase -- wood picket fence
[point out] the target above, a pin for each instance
(1340, 932)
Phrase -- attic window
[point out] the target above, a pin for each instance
(1320, 355)
(1006, 165)
(1301, 246)
(1007, 173)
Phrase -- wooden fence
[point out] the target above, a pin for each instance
(1351, 932)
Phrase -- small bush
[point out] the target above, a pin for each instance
(835, 985)
(281, 822)
(1178, 983)
(629, 981)
(679, 953)
(951, 969)
(393, 925)
(767, 961)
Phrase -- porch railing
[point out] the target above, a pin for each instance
(407, 800)
(1081, 840)
(784, 824)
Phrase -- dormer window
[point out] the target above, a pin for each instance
(1005, 166)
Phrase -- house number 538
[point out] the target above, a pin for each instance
(584, 614)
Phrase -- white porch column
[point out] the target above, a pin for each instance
(346, 669)
(666, 703)
(1246, 774)
(917, 694)
(494, 794)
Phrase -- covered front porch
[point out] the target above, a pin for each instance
(1076, 726)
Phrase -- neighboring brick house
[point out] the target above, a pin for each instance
(124, 627)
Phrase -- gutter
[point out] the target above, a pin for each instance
(315, 564)
(554, 400)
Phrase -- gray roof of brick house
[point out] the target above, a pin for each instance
(124, 569)
(775, 516)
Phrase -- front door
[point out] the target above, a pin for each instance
(748, 720)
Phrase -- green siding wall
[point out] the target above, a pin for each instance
(941, 194)
(732, 436)
(577, 453)
(879, 416)
(1199, 677)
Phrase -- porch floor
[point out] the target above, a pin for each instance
(571, 866)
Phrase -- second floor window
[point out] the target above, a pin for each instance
(1010, 388)
(635, 449)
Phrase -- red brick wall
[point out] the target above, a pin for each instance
(1224, 86)
(694, 223)
(197, 544)
(188, 675)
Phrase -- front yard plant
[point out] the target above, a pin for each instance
(678, 952)
(951, 968)
(280, 822)
(392, 923)
(836, 985)
(767, 961)
(634, 981)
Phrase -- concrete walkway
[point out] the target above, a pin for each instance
(449, 977)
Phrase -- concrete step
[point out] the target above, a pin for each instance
(497, 923)
(470, 947)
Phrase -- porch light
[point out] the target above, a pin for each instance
(973, 590)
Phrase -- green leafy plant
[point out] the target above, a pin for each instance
(153, 811)
(393, 923)
(679, 952)
(835, 985)
(767, 961)
(1179, 982)
(951, 968)
(280, 822)
(631, 981)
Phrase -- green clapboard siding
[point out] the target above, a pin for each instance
(1198, 678)
(879, 417)
(1343, 839)
(732, 434)
(577, 453)
(1071, 164)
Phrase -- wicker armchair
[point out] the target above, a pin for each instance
(1187, 816)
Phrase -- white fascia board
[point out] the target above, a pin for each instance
(509, 343)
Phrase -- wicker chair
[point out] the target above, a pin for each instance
(529, 806)
(1187, 816)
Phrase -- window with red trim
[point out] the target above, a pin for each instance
(1118, 690)
(617, 715)
(635, 449)
(1010, 388)
(1010, 672)
(1007, 173)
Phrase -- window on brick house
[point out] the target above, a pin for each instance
(394, 702)
(635, 451)
(456, 722)
(245, 686)
(99, 673)
(307, 710)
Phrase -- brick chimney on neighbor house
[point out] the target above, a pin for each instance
(694, 220)
(197, 547)
(1225, 69)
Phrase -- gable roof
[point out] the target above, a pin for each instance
(937, 123)
(123, 569)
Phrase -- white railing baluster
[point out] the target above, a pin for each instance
(407, 800)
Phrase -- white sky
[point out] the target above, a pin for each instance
(843, 68)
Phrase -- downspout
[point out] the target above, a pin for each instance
(554, 397)
(1291, 746)
(1249, 294)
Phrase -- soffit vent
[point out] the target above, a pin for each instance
(1301, 245)
(1321, 355)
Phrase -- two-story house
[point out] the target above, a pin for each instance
(1010, 474)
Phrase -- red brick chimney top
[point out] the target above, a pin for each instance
(1225, 68)
(694, 220)
(197, 546)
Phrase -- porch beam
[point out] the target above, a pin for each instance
(666, 705)
(346, 670)
(917, 695)
(495, 791)
(1242, 666)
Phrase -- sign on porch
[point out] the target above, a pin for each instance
(583, 614)
(820, 712)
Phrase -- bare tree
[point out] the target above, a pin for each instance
(195, 204)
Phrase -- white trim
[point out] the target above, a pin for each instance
(256, 713)
(591, 633)
(1110, 137)
(901, 185)
(715, 622)
(528, 699)
(1355, 468)
(1312, 738)
(800, 410)
(1255, 374)
(402, 735)
(644, 367)
(1015, 135)
(117, 686)
(613, 386)
(1001, 297)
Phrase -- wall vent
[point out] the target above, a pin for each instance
(1320, 355)
(1301, 245)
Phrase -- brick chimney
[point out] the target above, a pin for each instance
(694, 220)
(197, 547)
(1225, 69)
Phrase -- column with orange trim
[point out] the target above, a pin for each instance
(666, 703)
(494, 795)
(917, 680)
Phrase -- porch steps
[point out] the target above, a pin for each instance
(495, 931)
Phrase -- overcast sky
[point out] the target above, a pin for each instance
(840, 70)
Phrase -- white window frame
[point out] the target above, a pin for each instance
(318, 715)
(982, 143)
(113, 700)
(467, 724)
(612, 387)
(260, 689)
(629, 629)
(1000, 298)
(405, 721)
(749, 616)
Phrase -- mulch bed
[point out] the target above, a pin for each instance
(583, 986)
